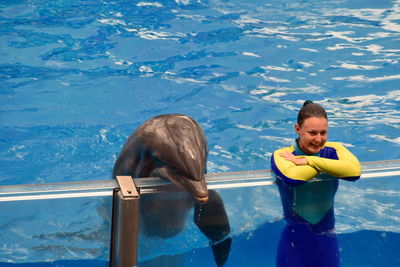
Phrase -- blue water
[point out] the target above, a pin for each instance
(377, 249)
(77, 77)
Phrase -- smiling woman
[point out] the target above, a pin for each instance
(312, 153)
(308, 207)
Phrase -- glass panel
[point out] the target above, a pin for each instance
(249, 209)
(367, 218)
(69, 224)
(366, 211)
(54, 223)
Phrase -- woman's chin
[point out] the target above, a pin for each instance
(313, 150)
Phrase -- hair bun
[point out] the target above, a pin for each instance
(308, 102)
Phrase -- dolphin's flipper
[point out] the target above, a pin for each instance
(212, 220)
(221, 251)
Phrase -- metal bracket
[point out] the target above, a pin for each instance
(125, 221)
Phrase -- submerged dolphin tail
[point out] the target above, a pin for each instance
(212, 220)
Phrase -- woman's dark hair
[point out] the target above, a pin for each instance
(310, 109)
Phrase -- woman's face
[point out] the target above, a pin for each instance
(312, 134)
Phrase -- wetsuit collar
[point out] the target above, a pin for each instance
(299, 152)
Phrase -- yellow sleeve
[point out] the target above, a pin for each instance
(346, 166)
(289, 171)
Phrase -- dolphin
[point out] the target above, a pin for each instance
(174, 147)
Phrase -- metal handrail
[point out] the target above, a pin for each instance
(373, 169)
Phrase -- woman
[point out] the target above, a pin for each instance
(308, 238)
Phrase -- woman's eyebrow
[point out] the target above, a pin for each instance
(312, 130)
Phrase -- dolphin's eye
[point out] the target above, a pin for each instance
(181, 173)
(174, 170)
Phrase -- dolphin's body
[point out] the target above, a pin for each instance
(173, 147)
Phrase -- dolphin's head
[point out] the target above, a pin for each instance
(178, 149)
(197, 188)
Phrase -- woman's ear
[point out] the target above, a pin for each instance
(297, 128)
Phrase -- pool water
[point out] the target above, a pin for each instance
(259, 249)
(77, 77)
(65, 263)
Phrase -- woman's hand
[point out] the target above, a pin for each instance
(296, 160)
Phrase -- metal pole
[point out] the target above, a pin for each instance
(124, 238)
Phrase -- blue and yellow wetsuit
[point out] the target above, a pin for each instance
(308, 239)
